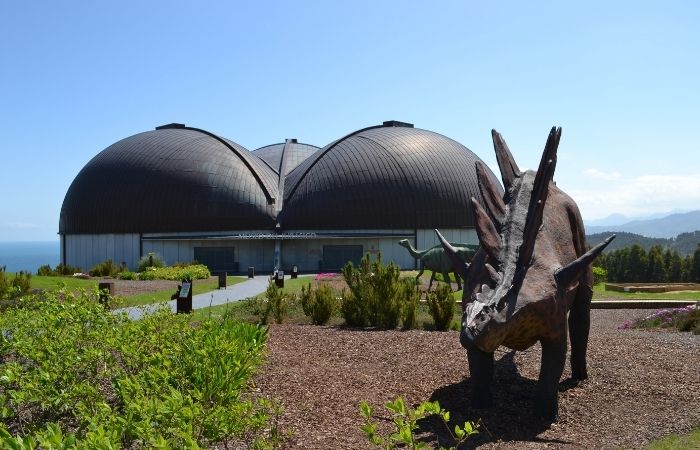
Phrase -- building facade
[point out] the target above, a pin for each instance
(188, 194)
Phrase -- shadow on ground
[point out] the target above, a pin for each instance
(510, 419)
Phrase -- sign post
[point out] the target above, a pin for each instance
(184, 297)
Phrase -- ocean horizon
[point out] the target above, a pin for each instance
(29, 255)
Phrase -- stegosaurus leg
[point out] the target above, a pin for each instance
(579, 327)
(481, 370)
(552, 366)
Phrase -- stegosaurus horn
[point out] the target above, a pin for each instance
(509, 169)
(567, 275)
(489, 238)
(493, 202)
(540, 190)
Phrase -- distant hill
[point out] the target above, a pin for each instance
(684, 243)
(663, 227)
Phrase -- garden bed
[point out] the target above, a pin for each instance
(643, 385)
(652, 287)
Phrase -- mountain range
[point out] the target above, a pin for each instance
(667, 226)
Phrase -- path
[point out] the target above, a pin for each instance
(235, 292)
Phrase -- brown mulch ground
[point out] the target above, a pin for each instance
(643, 385)
(133, 287)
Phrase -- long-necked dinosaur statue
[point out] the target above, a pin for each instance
(437, 261)
(533, 267)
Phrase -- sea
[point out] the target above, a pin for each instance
(29, 256)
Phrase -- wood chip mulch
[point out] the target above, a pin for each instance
(642, 385)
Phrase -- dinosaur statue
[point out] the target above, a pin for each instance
(437, 261)
(533, 267)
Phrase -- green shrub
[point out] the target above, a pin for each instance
(152, 259)
(405, 421)
(45, 271)
(600, 275)
(375, 296)
(126, 275)
(411, 297)
(277, 301)
(196, 272)
(66, 269)
(18, 285)
(77, 376)
(104, 269)
(319, 304)
(441, 304)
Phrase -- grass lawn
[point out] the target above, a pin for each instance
(677, 442)
(599, 293)
(53, 283)
(200, 287)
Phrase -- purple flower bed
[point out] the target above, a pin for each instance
(683, 319)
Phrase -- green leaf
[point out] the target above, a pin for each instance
(397, 406)
(365, 409)
(459, 432)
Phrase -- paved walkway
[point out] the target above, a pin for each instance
(233, 293)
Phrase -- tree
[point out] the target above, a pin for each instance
(675, 269)
(637, 264)
(656, 272)
(695, 274)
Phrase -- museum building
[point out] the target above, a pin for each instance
(188, 194)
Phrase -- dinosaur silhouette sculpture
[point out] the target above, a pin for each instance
(533, 267)
(436, 260)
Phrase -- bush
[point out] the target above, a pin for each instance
(319, 303)
(441, 305)
(104, 269)
(126, 275)
(66, 269)
(152, 259)
(411, 297)
(375, 296)
(196, 272)
(272, 304)
(45, 271)
(75, 375)
(600, 275)
(15, 287)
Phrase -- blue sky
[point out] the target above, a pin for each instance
(621, 78)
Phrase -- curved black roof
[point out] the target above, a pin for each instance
(172, 179)
(390, 176)
(285, 156)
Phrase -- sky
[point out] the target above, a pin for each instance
(621, 78)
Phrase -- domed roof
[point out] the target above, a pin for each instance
(284, 157)
(173, 179)
(389, 176)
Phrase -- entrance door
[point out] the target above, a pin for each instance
(218, 259)
(336, 256)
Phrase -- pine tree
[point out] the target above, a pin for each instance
(637, 264)
(656, 272)
(695, 277)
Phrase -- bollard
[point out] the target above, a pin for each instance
(222, 280)
(279, 278)
(106, 292)
(295, 272)
(184, 297)
(251, 272)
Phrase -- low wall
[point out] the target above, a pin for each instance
(651, 287)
